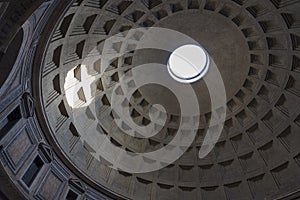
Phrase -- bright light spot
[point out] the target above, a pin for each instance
(188, 63)
(78, 87)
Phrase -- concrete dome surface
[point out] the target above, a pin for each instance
(150, 99)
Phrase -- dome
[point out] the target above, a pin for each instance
(150, 99)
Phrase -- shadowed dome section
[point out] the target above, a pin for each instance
(255, 45)
(8, 60)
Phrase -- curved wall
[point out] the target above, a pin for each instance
(33, 166)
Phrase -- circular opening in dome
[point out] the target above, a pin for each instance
(188, 63)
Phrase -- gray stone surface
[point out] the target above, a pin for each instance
(256, 46)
